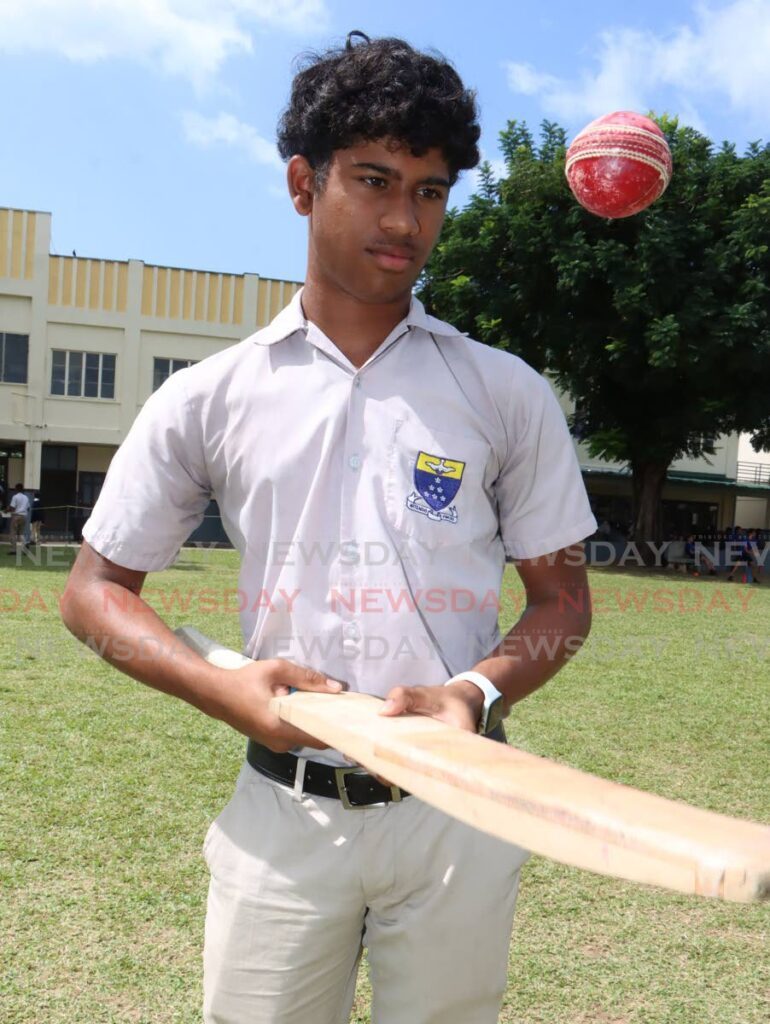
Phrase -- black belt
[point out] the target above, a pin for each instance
(354, 786)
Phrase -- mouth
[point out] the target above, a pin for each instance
(392, 257)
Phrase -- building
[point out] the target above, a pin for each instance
(83, 342)
(700, 496)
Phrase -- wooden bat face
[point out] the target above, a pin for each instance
(556, 811)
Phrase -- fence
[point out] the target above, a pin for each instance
(754, 473)
(64, 523)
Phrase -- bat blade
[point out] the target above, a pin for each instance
(553, 810)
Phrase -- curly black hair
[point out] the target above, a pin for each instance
(377, 89)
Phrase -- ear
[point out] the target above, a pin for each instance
(300, 179)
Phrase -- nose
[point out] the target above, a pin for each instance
(399, 217)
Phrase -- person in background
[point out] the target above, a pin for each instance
(19, 509)
(36, 518)
(763, 552)
(751, 548)
(745, 559)
(694, 549)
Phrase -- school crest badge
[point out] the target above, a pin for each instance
(437, 481)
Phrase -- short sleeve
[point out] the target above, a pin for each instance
(157, 489)
(542, 501)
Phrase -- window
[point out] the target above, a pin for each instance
(163, 368)
(59, 457)
(14, 350)
(11, 451)
(89, 488)
(83, 374)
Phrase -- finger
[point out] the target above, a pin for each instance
(415, 700)
(284, 737)
(298, 677)
(298, 738)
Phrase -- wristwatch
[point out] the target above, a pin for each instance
(493, 711)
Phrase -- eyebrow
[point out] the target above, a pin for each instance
(390, 172)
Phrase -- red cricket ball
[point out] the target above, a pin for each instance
(619, 164)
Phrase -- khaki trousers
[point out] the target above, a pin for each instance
(299, 886)
(18, 525)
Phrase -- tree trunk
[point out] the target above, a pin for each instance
(648, 479)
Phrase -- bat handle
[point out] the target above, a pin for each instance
(212, 652)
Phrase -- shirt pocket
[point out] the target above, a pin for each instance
(435, 486)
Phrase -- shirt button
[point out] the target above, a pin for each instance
(357, 382)
(351, 631)
(354, 461)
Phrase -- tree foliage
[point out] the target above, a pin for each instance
(658, 325)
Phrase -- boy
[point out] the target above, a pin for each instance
(373, 467)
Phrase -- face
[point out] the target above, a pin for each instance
(376, 219)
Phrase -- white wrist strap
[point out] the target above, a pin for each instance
(472, 677)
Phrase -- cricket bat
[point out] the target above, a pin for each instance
(553, 810)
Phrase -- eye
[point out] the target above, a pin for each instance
(427, 192)
(374, 181)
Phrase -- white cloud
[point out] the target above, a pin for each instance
(191, 38)
(523, 78)
(228, 130)
(724, 52)
(306, 16)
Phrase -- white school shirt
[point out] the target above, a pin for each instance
(20, 504)
(372, 508)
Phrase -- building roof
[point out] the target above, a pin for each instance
(681, 477)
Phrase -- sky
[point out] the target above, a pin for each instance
(147, 127)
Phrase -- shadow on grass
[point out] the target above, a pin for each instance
(42, 558)
(668, 575)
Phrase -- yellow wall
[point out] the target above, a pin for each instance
(87, 284)
(272, 296)
(15, 475)
(93, 458)
(136, 311)
(200, 295)
(17, 243)
(752, 513)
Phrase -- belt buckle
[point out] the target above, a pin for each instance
(339, 778)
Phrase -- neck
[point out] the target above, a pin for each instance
(357, 328)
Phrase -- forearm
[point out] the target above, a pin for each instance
(122, 628)
(546, 636)
(102, 606)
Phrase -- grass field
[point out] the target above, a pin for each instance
(108, 788)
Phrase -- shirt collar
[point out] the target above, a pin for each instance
(289, 320)
(292, 319)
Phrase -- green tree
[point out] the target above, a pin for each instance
(658, 325)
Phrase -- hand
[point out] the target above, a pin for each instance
(246, 693)
(459, 704)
